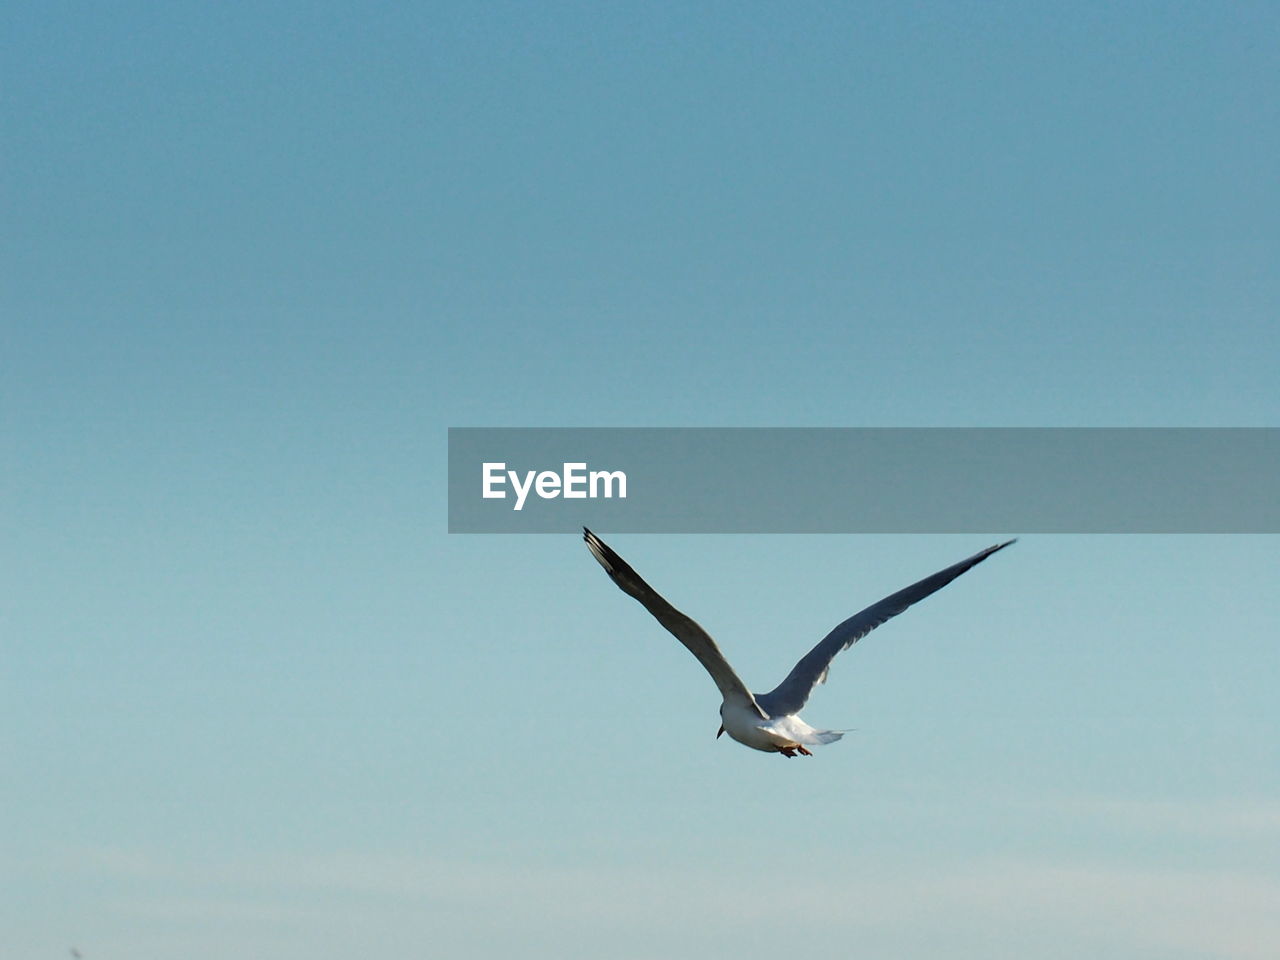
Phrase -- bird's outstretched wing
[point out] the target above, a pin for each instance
(792, 693)
(681, 627)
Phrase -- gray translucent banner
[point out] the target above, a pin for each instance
(816, 480)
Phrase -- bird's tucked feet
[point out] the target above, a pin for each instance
(801, 749)
(791, 751)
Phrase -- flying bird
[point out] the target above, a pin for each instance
(771, 721)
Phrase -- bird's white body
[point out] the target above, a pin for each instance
(773, 735)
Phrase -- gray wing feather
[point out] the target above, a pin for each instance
(683, 628)
(792, 693)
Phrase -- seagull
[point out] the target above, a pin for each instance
(770, 721)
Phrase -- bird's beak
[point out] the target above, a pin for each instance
(720, 731)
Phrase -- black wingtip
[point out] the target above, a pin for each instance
(600, 550)
(996, 548)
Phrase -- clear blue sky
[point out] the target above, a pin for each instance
(257, 259)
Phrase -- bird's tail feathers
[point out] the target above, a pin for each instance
(820, 736)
